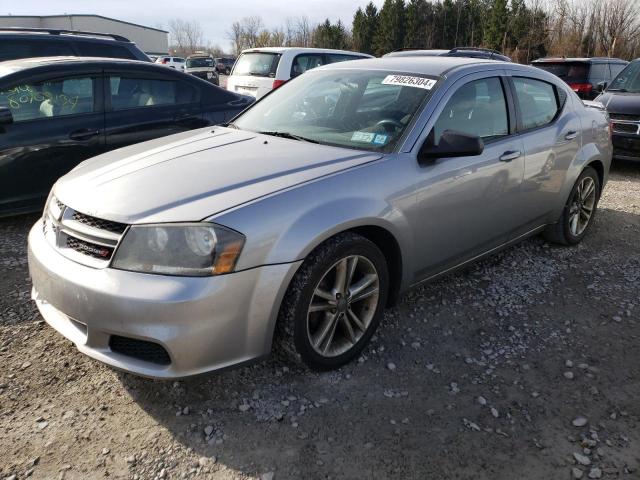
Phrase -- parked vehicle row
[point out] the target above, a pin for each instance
(57, 112)
(295, 225)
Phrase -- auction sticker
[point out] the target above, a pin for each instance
(409, 81)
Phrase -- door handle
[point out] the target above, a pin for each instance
(510, 155)
(571, 135)
(84, 134)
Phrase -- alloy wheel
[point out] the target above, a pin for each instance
(343, 305)
(582, 206)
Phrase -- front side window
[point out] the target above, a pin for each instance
(477, 108)
(305, 62)
(628, 79)
(536, 100)
(366, 110)
(138, 92)
(54, 98)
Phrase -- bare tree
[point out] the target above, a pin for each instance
(236, 36)
(186, 36)
(619, 22)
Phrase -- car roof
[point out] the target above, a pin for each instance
(578, 59)
(9, 67)
(303, 50)
(425, 65)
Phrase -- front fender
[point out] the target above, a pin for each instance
(287, 226)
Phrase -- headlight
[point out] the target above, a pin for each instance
(194, 249)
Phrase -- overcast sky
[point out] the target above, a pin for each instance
(215, 16)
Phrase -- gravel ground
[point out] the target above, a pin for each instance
(525, 366)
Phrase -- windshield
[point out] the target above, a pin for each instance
(199, 62)
(258, 64)
(570, 72)
(628, 79)
(367, 110)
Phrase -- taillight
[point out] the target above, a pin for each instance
(278, 83)
(581, 88)
(165, 61)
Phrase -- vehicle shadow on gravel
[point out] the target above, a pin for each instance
(466, 378)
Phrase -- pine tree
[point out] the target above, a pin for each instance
(497, 25)
(419, 20)
(364, 28)
(390, 33)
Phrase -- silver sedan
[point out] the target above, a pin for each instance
(296, 225)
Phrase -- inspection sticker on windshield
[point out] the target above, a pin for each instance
(365, 137)
(407, 81)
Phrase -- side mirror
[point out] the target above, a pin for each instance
(6, 117)
(601, 87)
(452, 144)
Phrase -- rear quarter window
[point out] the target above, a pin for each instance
(94, 49)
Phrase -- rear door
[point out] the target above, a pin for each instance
(551, 133)
(58, 122)
(146, 104)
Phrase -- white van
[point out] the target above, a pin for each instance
(257, 71)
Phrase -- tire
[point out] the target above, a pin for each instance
(563, 232)
(299, 329)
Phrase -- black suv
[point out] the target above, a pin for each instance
(57, 112)
(471, 52)
(39, 42)
(622, 99)
(583, 74)
(224, 65)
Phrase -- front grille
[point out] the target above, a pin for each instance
(202, 75)
(91, 249)
(625, 127)
(100, 224)
(625, 116)
(140, 349)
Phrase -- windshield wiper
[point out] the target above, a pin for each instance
(290, 136)
(230, 125)
(623, 90)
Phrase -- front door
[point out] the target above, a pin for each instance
(57, 123)
(468, 205)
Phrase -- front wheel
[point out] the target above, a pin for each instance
(334, 302)
(577, 215)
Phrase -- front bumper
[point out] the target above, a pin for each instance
(626, 146)
(204, 324)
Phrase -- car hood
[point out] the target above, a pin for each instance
(194, 175)
(621, 102)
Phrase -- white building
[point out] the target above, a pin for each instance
(150, 40)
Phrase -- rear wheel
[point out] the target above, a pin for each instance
(334, 303)
(577, 215)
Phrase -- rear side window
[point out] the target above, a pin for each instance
(339, 57)
(305, 62)
(14, 49)
(139, 92)
(477, 108)
(570, 72)
(95, 49)
(599, 72)
(55, 98)
(537, 102)
(257, 64)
